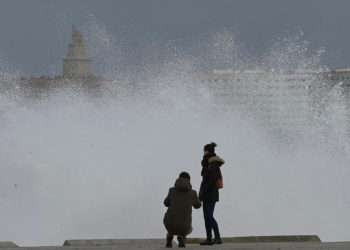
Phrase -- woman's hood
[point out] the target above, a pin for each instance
(216, 161)
(183, 185)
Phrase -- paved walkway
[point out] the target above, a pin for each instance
(158, 244)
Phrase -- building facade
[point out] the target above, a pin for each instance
(76, 64)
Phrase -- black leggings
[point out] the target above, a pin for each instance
(210, 222)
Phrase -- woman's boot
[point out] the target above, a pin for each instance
(207, 242)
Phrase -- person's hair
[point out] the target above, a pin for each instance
(185, 175)
(210, 147)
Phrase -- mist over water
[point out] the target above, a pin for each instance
(80, 166)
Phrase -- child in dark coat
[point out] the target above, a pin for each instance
(178, 217)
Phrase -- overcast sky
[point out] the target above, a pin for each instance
(35, 33)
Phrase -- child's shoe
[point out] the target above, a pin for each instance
(181, 240)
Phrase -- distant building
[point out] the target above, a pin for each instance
(76, 69)
(284, 99)
(337, 76)
(233, 89)
(76, 64)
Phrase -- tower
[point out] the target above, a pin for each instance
(76, 64)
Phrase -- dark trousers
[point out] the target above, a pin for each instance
(210, 222)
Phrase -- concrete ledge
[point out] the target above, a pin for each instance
(160, 242)
(113, 242)
(7, 244)
(261, 239)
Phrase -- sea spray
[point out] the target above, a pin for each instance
(76, 166)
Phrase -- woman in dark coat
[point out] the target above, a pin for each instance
(209, 192)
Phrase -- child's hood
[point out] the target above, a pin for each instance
(183, 185)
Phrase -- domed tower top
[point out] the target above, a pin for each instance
(76, 64)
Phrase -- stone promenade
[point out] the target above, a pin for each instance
(239, 243)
